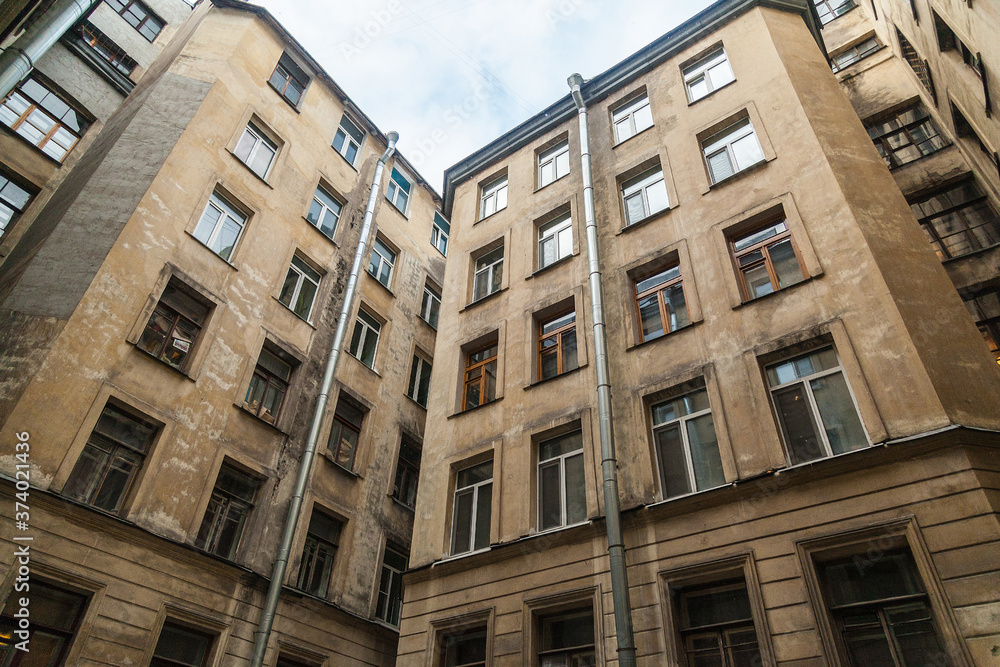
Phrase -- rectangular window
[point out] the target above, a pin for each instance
(687, 449)
(181, 646)
(659, 301)
(174, 326)
(256, 151)
(106, 49)
(562, 497)
(632, 118)
(139, 16)
(557, 346)
(220, 227)
(430, 305)
(439, 233)
(831, 9)
(644, 195)
(289, 79)
(732, 150)
(985, 310)
(228, 510)
(364, 342)
(567, 639)
(857, 52)
(322, 540)
(298, 292)
(398, 191)
(948, 40)
(324, 212)
(268, 386)
(916, 63)
(470, 526)
(958, 220)
(708, 74)
(382, 262)
(716, 625)
(111, 459)
(553, 164)
(480, 377)
(907, 137)
(13, 201)
(489, 274)
(407, 473)
(342, 444)
(44, 119)
(463, 648)
(55, 617)
(555, 240)
(814, 405)
(964, 129)
(493, 197)
(348, 140)
(880, 610)
(420, 378)
(390, 587)
(766, 260)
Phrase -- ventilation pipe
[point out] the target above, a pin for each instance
(295, 506)
(609, 463)
(18, 59)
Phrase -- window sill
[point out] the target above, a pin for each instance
(478, 407)
(856, 63)
(415, 402)
(428, 324)
(381, 284)
(354, 167)
(340, 468)
(625, 141)
(922, 157)
(554, 377)
(542, 187)
(709, 94)
(245, 409)
(783, 290)
(649, 218)
(738, 175)
(400, 503)
(318, 231)
(669, 334)
(396, 208)
(214, 254)
(254, 173)
(491, 215)
(297, 316)
(365, 366)
(161, 362)
(285, 99)
(482, 299)
(693, 494)
(386, 625)
(465, 554)
(558, 529)
(558, 262)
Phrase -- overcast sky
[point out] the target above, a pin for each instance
(452, 75)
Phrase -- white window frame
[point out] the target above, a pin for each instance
(301, 269)
(394, 611)
(704, 70)
(476, 487)
(552, 231)
(348, 140)
(551, 157)
(369, 327)
(394, 192)
(260, 142)
(493, 194)
(423, 367)
(439, 235)
(488, 269)
(625, 117)
(226, 212)
(559, 460)
(685, 443)
(723, 141)
(640, 186)
(382, 261)
(427, 304)
(324, 211)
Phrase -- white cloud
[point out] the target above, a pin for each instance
(452, 75)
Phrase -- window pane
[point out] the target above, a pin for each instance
(576, 490)
(569, 350)
(673, 299)
(549, 497)
(913, 629)
(720, 166)
(484, 509)
(657, 196)
(649, 317)
(705, 453)
(758, 281)
(836, 409)
(786, 265)
(797, 424)
(673, 466)
(747, 151)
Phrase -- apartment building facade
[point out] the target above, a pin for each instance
(806, 417)
(166, 319)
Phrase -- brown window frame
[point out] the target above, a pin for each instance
(224, 504)
(927, 224)
(57, 122)
(270, 379)
(764, 246)
(342, 422)
(106, 49)
(481, 380)
(558, 348)
(721, 631)
(286, 72)
(150, 18)
(407, 473)
(172, 312)
(988, 325)
(658, 289)
(319, 550)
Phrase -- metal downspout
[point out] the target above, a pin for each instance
(609, 463)
(295, 506)
(18, 59)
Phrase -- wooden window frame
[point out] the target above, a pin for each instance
(228, 500)
(150, 17)
(764, 246)
(659, 289)
(270, 379)
(341, 423)
(559, 334)
(286, 70)
(57, 123)
(481, 380)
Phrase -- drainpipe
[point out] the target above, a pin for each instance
(295, 506)
(18, 59)
(609, 463)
